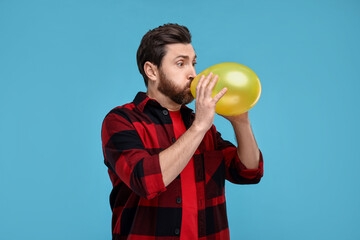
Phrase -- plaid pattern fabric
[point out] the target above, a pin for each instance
(133, 135)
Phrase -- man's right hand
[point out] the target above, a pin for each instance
(174, 159)
(204, 103)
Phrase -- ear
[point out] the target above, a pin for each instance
(151, 71)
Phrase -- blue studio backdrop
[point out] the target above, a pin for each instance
(65, 64)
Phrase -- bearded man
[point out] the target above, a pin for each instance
(168, 165)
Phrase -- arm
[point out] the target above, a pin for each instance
(236, 171)
(174, 159)
(126, 156)
(145, 174)
(244, 163)
(247, 148)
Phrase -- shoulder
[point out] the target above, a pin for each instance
(120, 111)
(118, 117)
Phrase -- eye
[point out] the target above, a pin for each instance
(180, 64)
(194, 63)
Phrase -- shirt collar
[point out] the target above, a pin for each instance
(141, 100)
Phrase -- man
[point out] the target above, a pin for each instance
(168, 166)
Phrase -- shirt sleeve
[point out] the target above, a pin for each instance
(126, 156)
(235, 170)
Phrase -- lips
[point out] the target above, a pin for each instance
(188, 85)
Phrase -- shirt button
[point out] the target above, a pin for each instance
(173, 139)
(177, 231)
(165, 112)
(178, 200)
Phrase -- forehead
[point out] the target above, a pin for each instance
(179, 49)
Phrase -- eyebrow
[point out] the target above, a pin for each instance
(185, 56)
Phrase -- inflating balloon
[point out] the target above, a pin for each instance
(243, 87)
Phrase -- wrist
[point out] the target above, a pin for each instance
(242, 122)
(197, 129)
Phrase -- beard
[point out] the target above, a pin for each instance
(169, 89)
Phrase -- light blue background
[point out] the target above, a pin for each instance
(65, 64)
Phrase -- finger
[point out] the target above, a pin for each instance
(211, 85)
(205, 83)
(220, 95)
(198, 86)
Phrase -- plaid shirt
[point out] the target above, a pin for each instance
(133, 135)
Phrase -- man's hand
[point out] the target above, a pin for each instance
(174, 159)
(241, 118)
(204, 103)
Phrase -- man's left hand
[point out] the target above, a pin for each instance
(244, 117)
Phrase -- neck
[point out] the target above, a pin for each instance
(163, 100)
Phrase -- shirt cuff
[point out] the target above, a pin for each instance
(250, 173)
(153, 177)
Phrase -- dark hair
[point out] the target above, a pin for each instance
(152, 46)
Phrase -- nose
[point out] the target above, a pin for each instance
(192, 74)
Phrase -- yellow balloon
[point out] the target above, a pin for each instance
(243, 87)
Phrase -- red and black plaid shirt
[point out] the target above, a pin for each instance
(133, 135)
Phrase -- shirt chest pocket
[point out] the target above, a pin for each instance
(214, 169)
